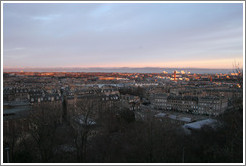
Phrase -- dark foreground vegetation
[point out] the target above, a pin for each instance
(118, 138)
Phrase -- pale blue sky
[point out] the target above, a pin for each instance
(123, 35)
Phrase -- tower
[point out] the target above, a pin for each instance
(64, 105)
(174, 74)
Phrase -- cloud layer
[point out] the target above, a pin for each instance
(121, 34)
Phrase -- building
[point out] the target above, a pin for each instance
(191, 104)
(159, 101)
(182, 103)
(211, 105)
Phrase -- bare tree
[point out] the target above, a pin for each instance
(238, 101)
(44, 120)
(83, 122)
(11, 137)
(239, 72)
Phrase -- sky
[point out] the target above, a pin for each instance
(208, 35)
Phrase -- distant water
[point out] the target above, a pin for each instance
(123, 70)
(158, 70)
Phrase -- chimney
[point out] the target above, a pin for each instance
(174, 75)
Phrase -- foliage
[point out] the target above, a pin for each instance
(121, 139)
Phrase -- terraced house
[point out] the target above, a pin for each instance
(198, 105)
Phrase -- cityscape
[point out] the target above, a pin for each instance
(105, 90)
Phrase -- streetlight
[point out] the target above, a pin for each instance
(7, 150)
(183, 155)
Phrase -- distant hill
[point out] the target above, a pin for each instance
(120, 69)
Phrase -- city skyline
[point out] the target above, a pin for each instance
(122, 82)
(188, 35)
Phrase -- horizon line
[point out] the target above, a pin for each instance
(114, 67)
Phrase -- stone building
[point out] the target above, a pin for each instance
(198, 105)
